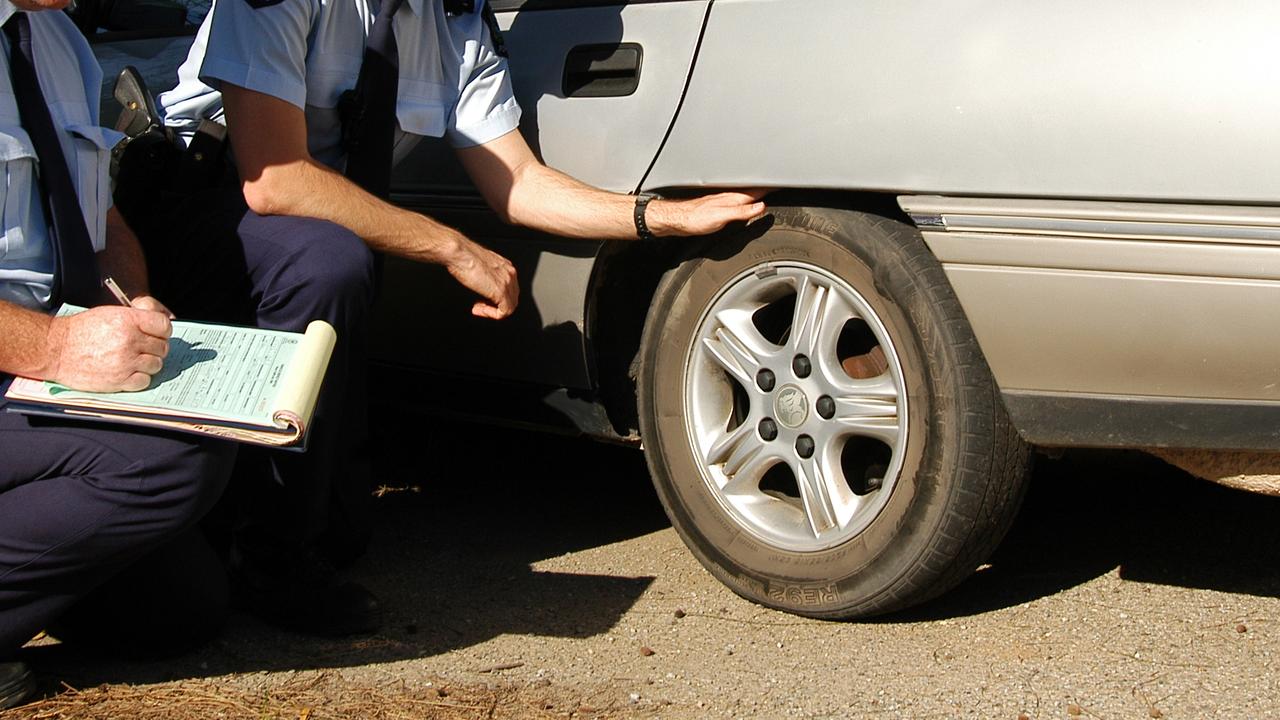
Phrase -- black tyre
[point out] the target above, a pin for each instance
(819, 421)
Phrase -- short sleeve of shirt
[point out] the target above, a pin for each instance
(487, 107)
(261, 48)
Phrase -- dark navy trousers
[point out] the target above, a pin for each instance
(211, 258)
(80, 503)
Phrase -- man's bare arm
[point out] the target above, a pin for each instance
(525, 192)
(105, 349)
(122, 260)
(279, 177)
(25, 350)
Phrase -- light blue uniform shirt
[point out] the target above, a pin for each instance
(308, 52)
(71, 82)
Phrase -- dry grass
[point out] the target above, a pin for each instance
(313, 696)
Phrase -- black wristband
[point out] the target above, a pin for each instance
(642, 227)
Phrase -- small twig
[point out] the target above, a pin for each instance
(502, 666)
(1084, 710)
(722, 618)
(1160, 663)
(1240, 621)
(450, 705)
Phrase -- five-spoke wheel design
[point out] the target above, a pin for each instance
(820, 425)
(796, 406)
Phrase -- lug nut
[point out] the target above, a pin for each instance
(804, 446)
(826, 407)
(801, 366)
(765, 380)
(768, 430)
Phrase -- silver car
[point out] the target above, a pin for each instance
(996, 226)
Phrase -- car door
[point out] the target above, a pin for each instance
(599, 82)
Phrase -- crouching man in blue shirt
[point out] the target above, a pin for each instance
(293, 235)
(95, 522)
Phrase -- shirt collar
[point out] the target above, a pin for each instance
(7, 10)
(414, 5)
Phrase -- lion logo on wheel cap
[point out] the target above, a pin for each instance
(792, 407)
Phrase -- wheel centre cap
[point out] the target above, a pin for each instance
(791, 406)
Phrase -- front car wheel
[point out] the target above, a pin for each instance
(818, 419)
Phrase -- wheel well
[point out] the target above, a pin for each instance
(627, 274)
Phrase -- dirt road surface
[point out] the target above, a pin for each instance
(527, 576)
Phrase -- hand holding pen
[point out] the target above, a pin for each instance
(108, 348)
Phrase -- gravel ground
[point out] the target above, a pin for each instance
(531, 577)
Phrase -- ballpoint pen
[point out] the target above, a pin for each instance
(115, 290)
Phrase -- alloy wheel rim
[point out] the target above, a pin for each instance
(795, 406)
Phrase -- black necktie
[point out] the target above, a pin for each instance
(372, 140)
(75, 278)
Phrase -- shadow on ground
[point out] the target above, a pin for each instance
(467, 510)
(472, 508)
(1092, 512)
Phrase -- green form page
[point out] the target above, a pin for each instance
(218, 371)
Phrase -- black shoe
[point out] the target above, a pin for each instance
(16, 684)
(304, 594)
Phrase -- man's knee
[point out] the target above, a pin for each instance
(340, 261)
(328, 265)
(187, 481)
(207, 478)
(113, 494)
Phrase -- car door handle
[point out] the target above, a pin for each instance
(602, 70)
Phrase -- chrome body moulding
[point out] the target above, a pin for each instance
(1110, 299)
